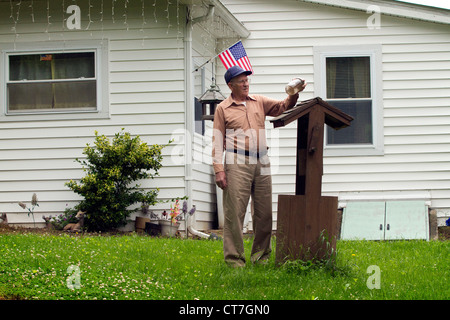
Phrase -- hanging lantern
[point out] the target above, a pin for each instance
(209, 100)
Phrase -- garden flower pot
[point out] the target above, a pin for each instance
(153, 228)
(140, 224)
(168, 229)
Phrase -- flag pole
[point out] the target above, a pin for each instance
(209, 60)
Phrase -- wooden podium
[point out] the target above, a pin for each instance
(307, 221)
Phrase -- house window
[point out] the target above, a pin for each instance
(54, 81)
(349, 78)
(348, 88)
(51, 82)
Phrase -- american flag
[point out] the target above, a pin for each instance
(236, 55)
(46, 57)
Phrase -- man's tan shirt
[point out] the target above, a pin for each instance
(241, 127)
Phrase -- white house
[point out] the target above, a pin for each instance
(384, 62)
(131, 66)
(387, 64)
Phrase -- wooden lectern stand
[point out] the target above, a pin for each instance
(307, 221)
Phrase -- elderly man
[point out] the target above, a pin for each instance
(239, 131)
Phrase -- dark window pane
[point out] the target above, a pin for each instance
(51, 96)
(52, 66)
(348, 77)
(361, 129)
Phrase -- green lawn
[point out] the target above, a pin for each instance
(34, 266)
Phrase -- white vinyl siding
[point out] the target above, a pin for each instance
(146, 93)
(145, 81)
(415, 93)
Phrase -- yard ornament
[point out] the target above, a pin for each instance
(175, 211)
(4, 218)
(74, 227)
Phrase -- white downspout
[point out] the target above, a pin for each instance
(189, 114)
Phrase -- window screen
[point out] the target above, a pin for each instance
(52, 81)
(348, 83)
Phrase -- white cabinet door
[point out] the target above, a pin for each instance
(363, 220)
(406, 220)
(385, 220)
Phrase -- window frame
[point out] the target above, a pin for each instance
(375, 54)
(100, 49)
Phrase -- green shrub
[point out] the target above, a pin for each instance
(111, 170)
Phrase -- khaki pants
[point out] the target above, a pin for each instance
(247, 176)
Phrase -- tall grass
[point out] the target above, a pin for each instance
(34, 266)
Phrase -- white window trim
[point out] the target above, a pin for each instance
(375, 54)
(100, 47)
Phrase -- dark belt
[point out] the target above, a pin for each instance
(247, 153)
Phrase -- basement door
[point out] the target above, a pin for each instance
(381, 220)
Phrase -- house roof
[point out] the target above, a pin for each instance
(392, 8)
(387, 7)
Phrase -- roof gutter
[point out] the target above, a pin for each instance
(397, 9)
